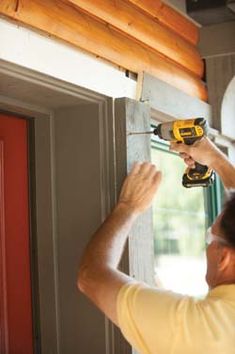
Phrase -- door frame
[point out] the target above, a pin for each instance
(42, 169)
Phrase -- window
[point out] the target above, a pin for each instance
(181, 217)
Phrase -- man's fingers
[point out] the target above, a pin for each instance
(143, 168)
(146, 167)
(135, 168)
(190, 162)
(140, 186)
(184, 152)
(183, 155)
(157, 177)
(152, 171)
(146, 172)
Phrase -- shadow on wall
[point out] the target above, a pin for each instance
(228, 111)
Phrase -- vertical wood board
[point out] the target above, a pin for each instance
(135, 116)
(138, 258)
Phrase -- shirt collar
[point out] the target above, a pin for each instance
(226, 292)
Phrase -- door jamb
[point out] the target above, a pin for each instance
(44, 121)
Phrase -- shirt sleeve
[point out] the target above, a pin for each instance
(148, 318)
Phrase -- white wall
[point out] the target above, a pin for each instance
(32, 50)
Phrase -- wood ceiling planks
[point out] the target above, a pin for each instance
(170, 18)
(76, 27)
(126, 18)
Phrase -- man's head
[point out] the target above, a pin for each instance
(221, 251)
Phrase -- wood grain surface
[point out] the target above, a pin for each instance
(170, 18)
(132, 22)
(62, 21)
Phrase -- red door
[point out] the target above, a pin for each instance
(15, 286)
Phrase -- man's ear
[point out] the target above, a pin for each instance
(226, 257)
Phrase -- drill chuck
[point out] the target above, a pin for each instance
(165, 131)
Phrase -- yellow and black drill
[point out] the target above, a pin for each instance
(187, 131)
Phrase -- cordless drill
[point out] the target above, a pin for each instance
(188, 131)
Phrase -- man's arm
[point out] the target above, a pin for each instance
(206, 153)
(98, 277)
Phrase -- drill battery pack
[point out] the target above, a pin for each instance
(200, 176)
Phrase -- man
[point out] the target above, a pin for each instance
(155, 321)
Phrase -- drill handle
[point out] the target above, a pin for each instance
(199, 169)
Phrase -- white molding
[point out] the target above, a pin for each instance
(52, 57)
(46, 81)
(18, 107)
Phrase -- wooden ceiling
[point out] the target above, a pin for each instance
(137, 35)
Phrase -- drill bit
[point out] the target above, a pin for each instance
(138, 133)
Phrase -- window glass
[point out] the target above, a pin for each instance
(180, 221)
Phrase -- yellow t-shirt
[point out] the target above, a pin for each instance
(162, 322)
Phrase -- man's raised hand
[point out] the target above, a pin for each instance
(140, 186)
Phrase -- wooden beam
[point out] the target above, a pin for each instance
(60, 20)
(128, 19)
(170, 18)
